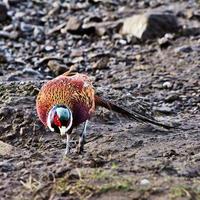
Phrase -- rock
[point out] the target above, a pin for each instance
(11, 35)
(56, 68)
(138, 57)
(20, 165)
(25, 73)
(26, 27)
(3, 58)
(14, 35)
(102, 63)
(196, 15)
(150, 26)
(49, 48)
(154, 4)
(60, 28)
(165, 41)
(19, 15)
(189, 14)
(95, 1)
(144, 182)
(39, 34)
(3, 12)
(72, 26)
(12, 77)
(143, 4)
(76, 53)
(100, 28)
(122, 42)
(46, 59)
(31, 72)
(100, 31)
(190, 172)
(194, 31)
(167, 85)
(170, 153)
(183, 49)
(6, 166)
(164, 109)
(196, 157)
(6, 149)
(75, 26)
(172, 97)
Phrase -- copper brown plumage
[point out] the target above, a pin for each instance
(67, 90)
(67, 101)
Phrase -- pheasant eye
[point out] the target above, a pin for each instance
(57, 121)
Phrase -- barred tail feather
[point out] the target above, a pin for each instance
(133, 114)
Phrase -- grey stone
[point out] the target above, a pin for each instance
(183, 49)
(3, 58)
(6, 167)
(150, 26)
(167, 84)
(172, 97)
(5, 149)
(3, 12)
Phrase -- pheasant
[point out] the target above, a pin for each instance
(67, 101)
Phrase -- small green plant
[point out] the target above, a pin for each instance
(188, 191)
(92, 182)
(124, 185)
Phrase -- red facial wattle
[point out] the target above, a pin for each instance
(57, 121)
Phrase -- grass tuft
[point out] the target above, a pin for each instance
(96, 181)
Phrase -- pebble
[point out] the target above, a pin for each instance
(38, 34)
(12, 77)
(165, 110)
(11, 35)
(6, 167)
(56, 67)
(76, 53)
(20, 165)
(73, 24)
(3, 12)
(167, 85)
(172, 97)
(139, 57)
(19, 15)
(164, 42)
(30, 71)
(5, 148)
(26, 27)
(144, 182)
(122, 42)
(189, 14)
(49, 48)
(14, 35)
(183, 49)
(3, 58)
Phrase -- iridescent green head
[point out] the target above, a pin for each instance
(60, 119)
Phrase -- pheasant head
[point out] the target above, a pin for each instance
(60, 119)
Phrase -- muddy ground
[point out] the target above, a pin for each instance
(122, 159)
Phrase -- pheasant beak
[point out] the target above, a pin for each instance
(63, 131)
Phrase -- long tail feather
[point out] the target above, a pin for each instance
(133, 114)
